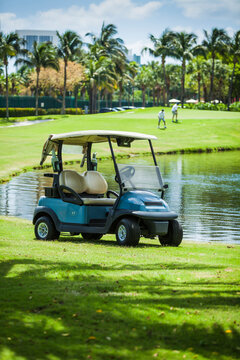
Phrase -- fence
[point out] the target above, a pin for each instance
(48, 102)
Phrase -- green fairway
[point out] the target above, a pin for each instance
(72, 299)
(21, 147)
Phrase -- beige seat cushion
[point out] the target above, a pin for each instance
(95, 183)
(73, 180)
(91, 182)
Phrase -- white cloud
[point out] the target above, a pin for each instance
(216, 8)
(81, 18)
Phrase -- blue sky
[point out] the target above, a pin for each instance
(135, 19)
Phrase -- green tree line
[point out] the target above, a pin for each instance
(206, 71)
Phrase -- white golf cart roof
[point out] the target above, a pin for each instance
(89, 136)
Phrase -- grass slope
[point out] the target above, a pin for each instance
(21, 147)
(71, 299)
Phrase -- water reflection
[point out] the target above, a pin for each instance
(204, 189)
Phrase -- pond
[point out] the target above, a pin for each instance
(204, 189)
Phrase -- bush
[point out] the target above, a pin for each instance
(217, 107)
(207, 106)
(235, 106)
(18, 112)
(70, 111)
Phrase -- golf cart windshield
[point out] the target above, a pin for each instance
(140, 177)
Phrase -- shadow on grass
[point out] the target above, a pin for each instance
(80, 240)
(78, 311)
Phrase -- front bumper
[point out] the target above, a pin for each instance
(155, 215)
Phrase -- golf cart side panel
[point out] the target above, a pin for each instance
(69, 213)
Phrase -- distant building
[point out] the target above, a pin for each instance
(37, 35)
(133, 57)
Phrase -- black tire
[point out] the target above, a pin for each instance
(128, 232)
(89, 236)
(45, 229)
(174, 235)
(74, 233)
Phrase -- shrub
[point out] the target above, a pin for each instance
(235, 106)
(207, 106)
(70, 111)
(18, 112)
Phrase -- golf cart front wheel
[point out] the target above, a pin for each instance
(45, 229)
(174, 235)
(128, 232)
(89, 236)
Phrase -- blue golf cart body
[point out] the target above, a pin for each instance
(82, 203)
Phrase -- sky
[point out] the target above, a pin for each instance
(135, 19)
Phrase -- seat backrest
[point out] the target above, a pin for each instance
(73, 180)
(95, 182)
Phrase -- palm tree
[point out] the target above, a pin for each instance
(132, 69)
(213, 44)
(108, 46)
(184, 46)
(99, 71)
(234, 54)
(10, 46)
(42, 55)
(69, 44)
(112, 47)
(162, 47)
(173, 79)
(196, 69)
(144, 78)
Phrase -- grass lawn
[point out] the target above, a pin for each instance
(21, 147)
(71, 299)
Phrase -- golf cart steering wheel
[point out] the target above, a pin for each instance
(127, 172)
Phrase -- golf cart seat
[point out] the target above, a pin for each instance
(87, 185)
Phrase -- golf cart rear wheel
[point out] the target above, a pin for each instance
(174, 235)
(89, 236)
(128, 232)
(45, 229)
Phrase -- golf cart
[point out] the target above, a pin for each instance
(81, 203)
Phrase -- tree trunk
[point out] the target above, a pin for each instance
(165, 80)
(231, 85)
(133, 96)
(7, 110)
(153, 90)
(36, 98)
(143, 96)
(90, 99)
(212, 78)
(199, 86)
(158, 96)
(76, 88)
(64, 87)
(205, 92)
(183, 82)
(120, 96)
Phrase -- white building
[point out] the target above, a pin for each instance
(37, 35)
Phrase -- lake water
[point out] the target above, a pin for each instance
(204, 189)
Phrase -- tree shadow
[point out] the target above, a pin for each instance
(77, 310)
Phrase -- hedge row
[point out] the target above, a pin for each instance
(19, 112)
(218, 107)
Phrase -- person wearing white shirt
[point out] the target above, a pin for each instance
(174, 112)
(161, 116)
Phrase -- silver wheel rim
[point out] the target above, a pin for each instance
(122, 233)
(42, 230)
